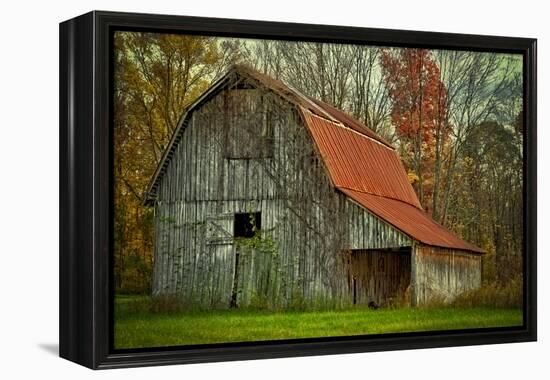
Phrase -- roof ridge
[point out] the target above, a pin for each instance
(356, 125)
(309, 101)
(344, 126)
(313, 104)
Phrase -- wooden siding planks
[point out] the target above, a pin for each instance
(441, 274)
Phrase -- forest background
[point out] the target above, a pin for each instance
(454, 116)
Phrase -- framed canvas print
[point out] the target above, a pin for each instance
(237, 189)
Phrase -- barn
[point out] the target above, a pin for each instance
(265, 197)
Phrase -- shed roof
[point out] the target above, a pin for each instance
(361, 164)
(410, 220)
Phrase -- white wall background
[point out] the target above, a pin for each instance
(29, 187)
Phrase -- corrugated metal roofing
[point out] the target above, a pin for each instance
(350, 122)
(356, 161)
(372, 174)
(410, 220)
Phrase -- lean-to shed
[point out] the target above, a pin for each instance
(265, 197)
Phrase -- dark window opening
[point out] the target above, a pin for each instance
(246, 224)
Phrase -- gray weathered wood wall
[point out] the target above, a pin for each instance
(367, 231)
(440, 274)
(203, 188)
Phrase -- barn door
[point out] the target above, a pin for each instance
(219, 238)
(245, 226)
(236, 272)
(379, 276)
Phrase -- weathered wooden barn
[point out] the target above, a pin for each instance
(266, 197)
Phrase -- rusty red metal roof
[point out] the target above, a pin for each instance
(350, 122)
(410, 220)
(372, 174)
(358, 162)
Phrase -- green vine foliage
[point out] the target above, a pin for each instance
(261, 244)
(261, 241)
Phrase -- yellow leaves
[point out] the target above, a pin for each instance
(412, 176)
(468, 161)
(156, 76)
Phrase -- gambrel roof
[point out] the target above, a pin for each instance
(360, 164)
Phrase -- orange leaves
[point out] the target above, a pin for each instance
(419, 111)
(416, 90)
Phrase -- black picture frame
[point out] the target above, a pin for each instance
(85, 295)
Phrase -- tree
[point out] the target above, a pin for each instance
(480, 87)
(489, 195)
(156, 77)
(345, 76)
(419, 114)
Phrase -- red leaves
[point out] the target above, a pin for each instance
(419, 109)
(416, 90)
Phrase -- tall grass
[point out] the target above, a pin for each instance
(507, 294)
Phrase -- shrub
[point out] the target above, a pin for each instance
(130, 305)
(507, 294)
(135, 276)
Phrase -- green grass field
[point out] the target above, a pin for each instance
(136, 326)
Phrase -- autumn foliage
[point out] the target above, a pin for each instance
(419, 113)
(156, 77)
